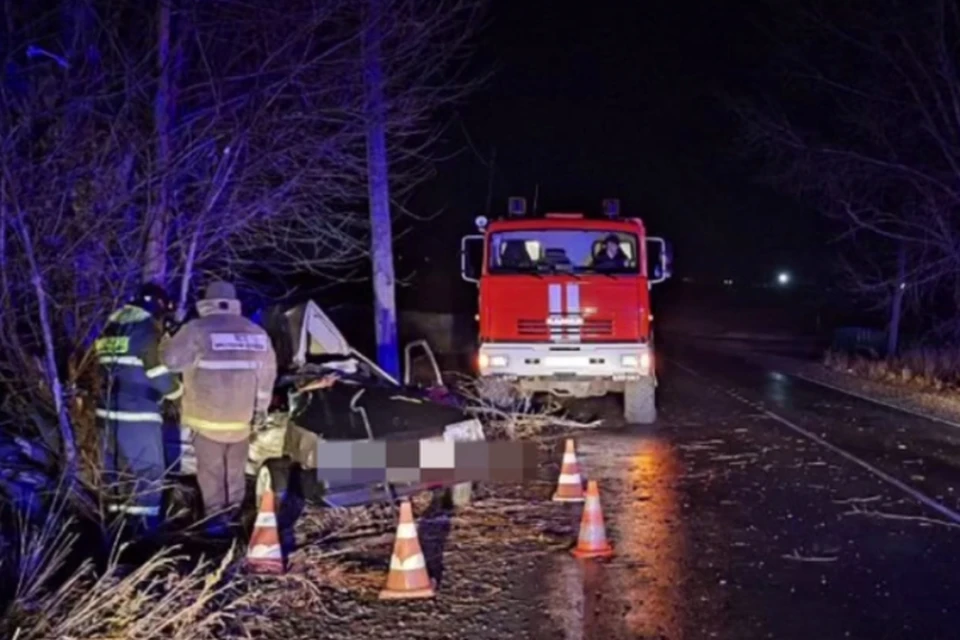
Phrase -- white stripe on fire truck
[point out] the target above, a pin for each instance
(573, 297)
(573, 309)
(556, 302)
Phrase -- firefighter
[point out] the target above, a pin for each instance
(229, 368)
(129, 408)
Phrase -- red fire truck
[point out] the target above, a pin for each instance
(565, 304)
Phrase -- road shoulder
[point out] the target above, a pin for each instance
(943, 407)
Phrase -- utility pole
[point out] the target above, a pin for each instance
(378, 185)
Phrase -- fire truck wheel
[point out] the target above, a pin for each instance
(639, 405)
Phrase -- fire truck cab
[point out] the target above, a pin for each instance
(564, 304)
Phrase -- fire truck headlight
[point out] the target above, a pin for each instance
(641, 362)
(485, 361)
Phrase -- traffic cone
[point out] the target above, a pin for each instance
(593, 535)
(408, 576)
(264, 553)
(570, 484)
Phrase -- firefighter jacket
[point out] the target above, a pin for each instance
(135, 382)
(229, 368)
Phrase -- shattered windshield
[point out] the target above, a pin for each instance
(563, 251)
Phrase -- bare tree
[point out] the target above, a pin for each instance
(865, 128)
(66, 254)
(271, 162)
(169, 63)
(231, 141)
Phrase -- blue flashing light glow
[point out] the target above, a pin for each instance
(611, 208)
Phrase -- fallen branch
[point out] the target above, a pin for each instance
(735, 457)
(858, 500)
(508, 410)
(898, 516)
(796, 557)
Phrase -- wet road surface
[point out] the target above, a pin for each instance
(730, 522)
(732, 517)
(785, 538)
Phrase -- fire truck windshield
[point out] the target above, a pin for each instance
(563, 251)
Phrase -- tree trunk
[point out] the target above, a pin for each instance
(4, 280)
(187, 276)
(381, 235)
(896, 303)
(221, 178)
(155, 260)
(67, 439)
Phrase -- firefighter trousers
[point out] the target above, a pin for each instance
(134, 469)
(221, 474)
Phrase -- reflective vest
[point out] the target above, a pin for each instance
(135, 382)
(229, 368)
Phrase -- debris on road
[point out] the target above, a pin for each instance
(481, 557)
(795, 556)
(515, 415)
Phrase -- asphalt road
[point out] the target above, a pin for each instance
(758, 506)
(795, 511)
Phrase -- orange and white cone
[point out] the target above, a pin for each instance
(570, 484)
(593, 535)
(408, 577)
(264, 553)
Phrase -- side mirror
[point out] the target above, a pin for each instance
(471, 258)
(661, 260)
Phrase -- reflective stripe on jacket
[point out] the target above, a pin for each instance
(135, 382)
(133, 509)
(229, 368)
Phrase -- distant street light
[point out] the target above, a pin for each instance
(783, 278)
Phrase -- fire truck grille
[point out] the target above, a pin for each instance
(591, 328)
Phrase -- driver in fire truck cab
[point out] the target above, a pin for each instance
(563, 250)
(611, 256)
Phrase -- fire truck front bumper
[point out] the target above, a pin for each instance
(607, 361)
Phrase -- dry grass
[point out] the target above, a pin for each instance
(167, 596)
(155, 600)
(927, 369)
(60, 593)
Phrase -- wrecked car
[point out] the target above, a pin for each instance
(364, 404)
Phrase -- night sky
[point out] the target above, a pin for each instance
(624, 99)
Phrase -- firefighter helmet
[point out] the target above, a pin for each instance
(153, 298)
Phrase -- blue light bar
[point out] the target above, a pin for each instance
(611, 208)
(517, 206)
